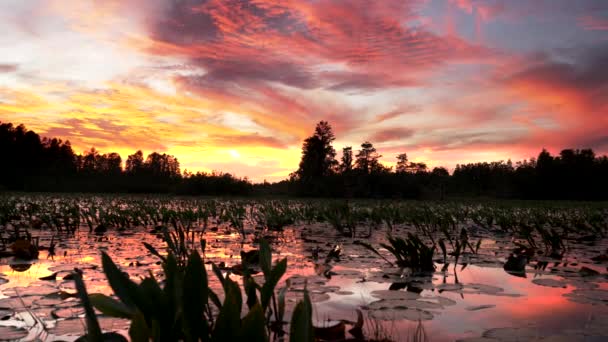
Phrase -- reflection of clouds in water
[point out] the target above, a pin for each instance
(481, 299)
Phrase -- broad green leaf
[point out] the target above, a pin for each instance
(253, 327)
(110, 306)
(93, 329)
(139, 331)
(154, 251)
(301, 329)
(203, 245)
(271, 282)
(123, 287)
(153, 302)
(215, 299)
(250, 288)
(372, 249)
(281, 304)
(220, 276)
(195, 299)
(265, 257)
(228, 323)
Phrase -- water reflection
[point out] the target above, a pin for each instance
(459, 301)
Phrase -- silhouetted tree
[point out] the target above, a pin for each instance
(346, 164)
(135, 163)
(368, 159)
(402, 163)
(162, 165)
(318, 159)
(32, 163)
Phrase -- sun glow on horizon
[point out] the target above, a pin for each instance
(237, 88)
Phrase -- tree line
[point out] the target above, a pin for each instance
(572, 175)
(32, 163)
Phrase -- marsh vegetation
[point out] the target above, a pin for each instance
(172, 268)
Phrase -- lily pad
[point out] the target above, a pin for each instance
(403, 304)
(76, 326)
(12, 333)
(388, 294)
(589, 296)
(550, 282)
(408, 314)
(30, 291)
(70, 312)
(18, 304)
(483, 289)
(513, 334)
(449, 287)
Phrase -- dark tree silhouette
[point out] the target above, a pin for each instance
(368, 159)
(31, 163)
(318, 160)
(135, 163)
(346, 163)
(402, 163)
(162, 165)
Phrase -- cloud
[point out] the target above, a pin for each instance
(290, 42)
(391, 134)
(104, 134)
(249, 140)
(6, 68)
(397, 112)
(571, 90)
(593, 23)
(198, 78)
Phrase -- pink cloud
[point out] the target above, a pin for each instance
(592, 23)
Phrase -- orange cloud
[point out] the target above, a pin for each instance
(238, 84)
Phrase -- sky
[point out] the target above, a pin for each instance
(236, 85)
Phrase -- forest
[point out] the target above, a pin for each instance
(49, 164)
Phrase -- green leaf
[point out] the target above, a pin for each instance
(215, 299)
(228, 322)
(301, 329)
(265, 258)
(154, 251)
(139, 331)
(173, 284)
(93, 329)
(250, 288)
(477, 246)
(203, 245)
(281, 300)
(443, 250)
(168, 238)
(123, 287)
(152, 301)
(271, 282)
(220, 276)
(372, 249)
(110, 306)
(195, 299)
(253, 327)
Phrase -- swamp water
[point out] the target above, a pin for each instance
(555, 300)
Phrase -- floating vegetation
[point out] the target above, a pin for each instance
(412, 268)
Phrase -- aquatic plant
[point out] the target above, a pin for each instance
(341, 217)
(274, 216)
(183, 308)
(410, 252)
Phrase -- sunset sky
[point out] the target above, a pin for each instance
(236, 85)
